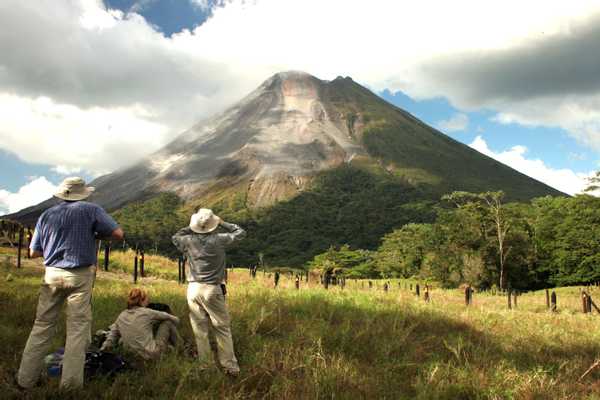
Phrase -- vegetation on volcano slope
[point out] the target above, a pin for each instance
(356, 213)
(344, 206)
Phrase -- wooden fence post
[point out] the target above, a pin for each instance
(508, 292)
(135, 267)
(553, 301)
(106, 256)
(297, 282)
(29, 237)
(179, 280)
(584, 302)
(20, 247)
(589, 303)
(468, 294)
(426, 295)
(142, 263)
(418, 290)
(547, 299)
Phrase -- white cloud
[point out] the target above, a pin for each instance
(41, 131)
(118, 89)
(34, 192)
(64, 170)
(458, 122)
(565, 180)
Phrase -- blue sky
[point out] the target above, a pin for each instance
(137, 72)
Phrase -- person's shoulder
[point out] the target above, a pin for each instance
(87, 204)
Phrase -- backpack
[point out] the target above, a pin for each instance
(160, 307)
(97, 363)
(102, 363)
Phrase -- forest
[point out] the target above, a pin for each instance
(463, 238)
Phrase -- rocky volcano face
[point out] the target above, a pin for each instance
(270, 143)
(293, 126)
(273, 141)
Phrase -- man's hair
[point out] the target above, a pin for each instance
(136, 298)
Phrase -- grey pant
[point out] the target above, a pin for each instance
(59, 286)
(208, 307)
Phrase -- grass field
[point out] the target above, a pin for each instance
(345, 344)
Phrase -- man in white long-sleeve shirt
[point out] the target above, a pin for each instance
(205, 252)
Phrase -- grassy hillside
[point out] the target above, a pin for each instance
(356, 343)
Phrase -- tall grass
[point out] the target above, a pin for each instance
(345, 344)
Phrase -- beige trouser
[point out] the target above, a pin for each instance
(208, 307)
(59, 285)
(166, 334)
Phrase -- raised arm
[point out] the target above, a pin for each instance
(235, 233)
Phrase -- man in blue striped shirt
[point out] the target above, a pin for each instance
(65, 235)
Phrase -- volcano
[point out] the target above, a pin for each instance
(273, 143)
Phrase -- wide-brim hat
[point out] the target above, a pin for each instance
(73, 189)
(204, 221)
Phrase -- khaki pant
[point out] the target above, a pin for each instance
(166, 334)
(208, 307)
(59, 285)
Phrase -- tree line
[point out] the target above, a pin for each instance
(479, 240)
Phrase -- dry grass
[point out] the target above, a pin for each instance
(355, 343)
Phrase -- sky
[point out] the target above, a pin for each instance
(90, 86)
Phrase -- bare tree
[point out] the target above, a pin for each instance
(493, 203)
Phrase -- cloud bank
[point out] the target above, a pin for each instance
(97, 89)
(564, 180)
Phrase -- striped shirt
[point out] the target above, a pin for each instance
(66, 233)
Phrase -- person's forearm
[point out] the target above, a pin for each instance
(35, 253)
(235, 231)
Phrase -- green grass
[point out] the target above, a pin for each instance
(350, 344)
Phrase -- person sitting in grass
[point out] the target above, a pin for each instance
(146, 332)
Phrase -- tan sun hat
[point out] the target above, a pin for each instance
(204, 221)
(73, 189)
